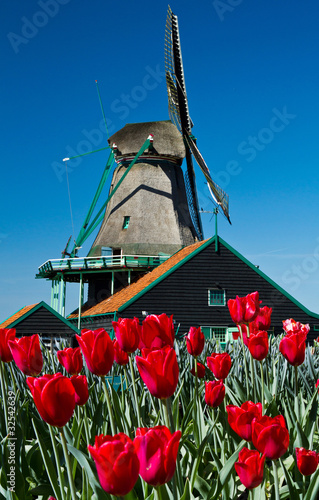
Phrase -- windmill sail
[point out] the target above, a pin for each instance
(179, 114)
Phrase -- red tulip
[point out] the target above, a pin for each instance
(116, 463)
(214, 393)
(270, 436)
(120, 356)
(240, 418)
(157, 331)
(262, 321)
(307, 461)
(258, 345)
(54, 397)
(6, 334)
(80, 385)
(250, 467)
(292, 326)
(27, 354)
(71, 359)
(98, 350)
(244, 309)
(195, 341)
(219, 364)
(293, 347)
(157, 451)
(159, 371)
(127, 332)
(200, 370)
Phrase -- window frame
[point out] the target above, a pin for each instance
(214, 290)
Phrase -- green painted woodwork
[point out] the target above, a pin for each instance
(126, 221)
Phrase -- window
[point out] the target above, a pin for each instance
(219, 333)
(126, 221)
(216, 297)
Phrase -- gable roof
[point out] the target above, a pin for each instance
(17, 315)
(26, 311)
(121, 299)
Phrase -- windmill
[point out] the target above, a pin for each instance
(179, 114)
(151, 211)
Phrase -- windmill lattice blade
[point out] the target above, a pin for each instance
(221, 198)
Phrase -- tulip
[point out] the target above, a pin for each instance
(307, 461)
(159, 371)
(27, 354)
(157, 450)
(200, 370)
(262, 321)
(250, 467)
(120, 356)
(127, 332)
(157, 331)
(195, 341)
(240, 418)
(116, 462)
(244, 309)
(71, 359)
(54, 397)
(214, 393)
(292, 326)
(258, 345)
(293, 347)
(80, 385)
(219, 364)
(6, 334)
(98, 350)
(270, 436)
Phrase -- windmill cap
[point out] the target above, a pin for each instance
(167, 140)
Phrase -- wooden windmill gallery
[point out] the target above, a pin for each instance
(149, 255)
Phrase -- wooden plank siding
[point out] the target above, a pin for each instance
(43, 322)
(184, 293)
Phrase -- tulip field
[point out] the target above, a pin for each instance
(138, 414)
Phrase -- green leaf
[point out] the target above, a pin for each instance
(48, 464)
(292, 486)
(227, 469)
(313, 487)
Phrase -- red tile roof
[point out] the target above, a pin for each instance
(17, 315)
(120, 298)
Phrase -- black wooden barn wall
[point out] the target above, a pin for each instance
(44, 323)
(184, 293)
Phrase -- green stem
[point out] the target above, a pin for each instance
(158, 490)
(57, 461)
(262, 387)
(13, 378)
(296, 394)
(86, 427)
(245, 361)
(109, 407)
(4, 395)
(196, 403)
(276, 483)
(68, 464)
(135, 392)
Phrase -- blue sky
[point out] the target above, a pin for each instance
(252, 79)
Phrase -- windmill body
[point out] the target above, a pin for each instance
(149, 213)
